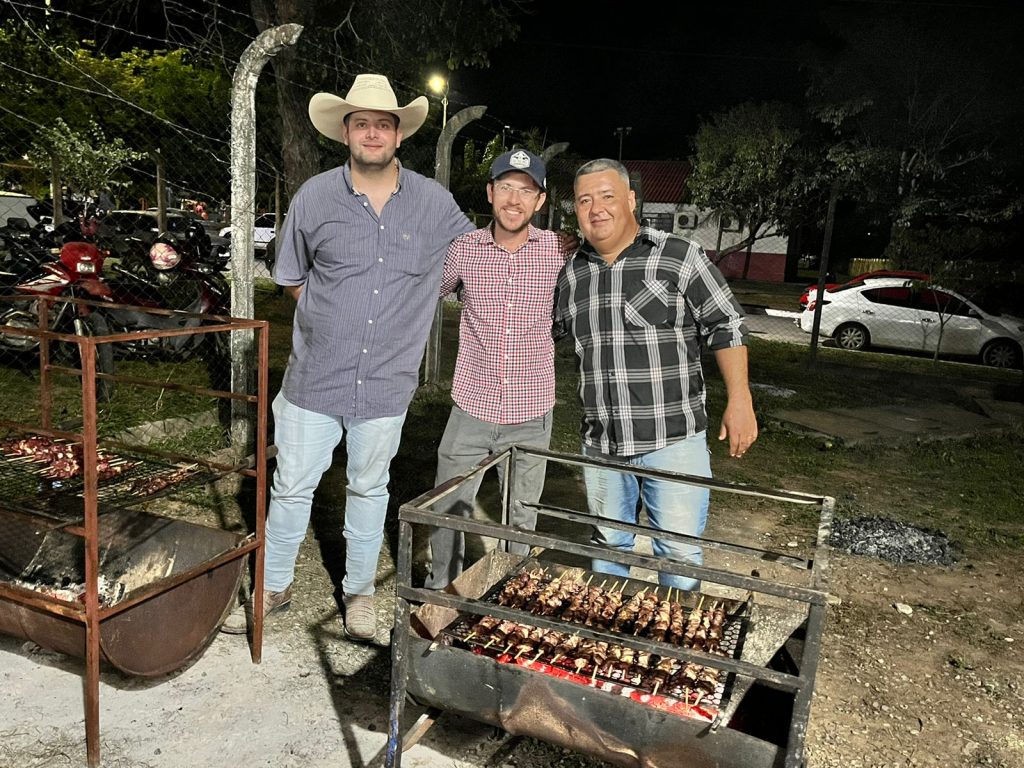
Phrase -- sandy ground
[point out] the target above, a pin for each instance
(938, 686)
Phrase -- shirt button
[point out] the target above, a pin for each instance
(359, 381)
(375, 291)
(382, 226)
(365, 203)
(380, 260)
(364, 351)
(370, 322)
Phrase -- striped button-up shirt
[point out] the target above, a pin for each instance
(369, 290)
(638, 325)
(505, 371)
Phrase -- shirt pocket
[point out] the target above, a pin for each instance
(650, 304)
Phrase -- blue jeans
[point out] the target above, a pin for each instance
(466, 442)
(305, 443)
(671, 506)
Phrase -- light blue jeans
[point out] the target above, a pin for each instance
(305, 443)
(671, 506)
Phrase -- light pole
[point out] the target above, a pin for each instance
(622, 132)
(439, 84)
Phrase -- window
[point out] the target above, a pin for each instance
(942, 302)
(660, 221)
(896, 297)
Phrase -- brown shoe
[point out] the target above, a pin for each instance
(240, 619)
(360, 617)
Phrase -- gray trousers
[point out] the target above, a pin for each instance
(466, 442)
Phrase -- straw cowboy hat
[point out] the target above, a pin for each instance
(368, 92)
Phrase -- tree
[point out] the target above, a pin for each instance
(88, 161)
(931, 123)
(754, 162)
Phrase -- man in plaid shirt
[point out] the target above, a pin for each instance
(504, 384)
(639, 303)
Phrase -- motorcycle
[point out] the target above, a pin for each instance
(73, 275)
(23, 250)
(179, 274)
(172, 274)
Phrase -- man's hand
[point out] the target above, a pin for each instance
(738, 422)
(569, 243)
(739, 425)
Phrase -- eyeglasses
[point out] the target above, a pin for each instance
(526, 193)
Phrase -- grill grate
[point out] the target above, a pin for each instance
(666, 683)
(27, 482)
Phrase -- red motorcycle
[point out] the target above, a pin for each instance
(170, 275)
(75, 274)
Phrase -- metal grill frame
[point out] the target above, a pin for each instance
(87, 494)
(812, 598)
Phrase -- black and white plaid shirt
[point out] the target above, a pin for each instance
(638, 326)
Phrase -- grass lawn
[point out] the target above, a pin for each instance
(970, 489)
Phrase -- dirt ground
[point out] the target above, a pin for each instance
(935, 682)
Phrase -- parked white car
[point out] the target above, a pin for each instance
(899, 314)
(263, 233)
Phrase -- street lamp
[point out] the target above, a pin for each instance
(622, 132)
(439, 84)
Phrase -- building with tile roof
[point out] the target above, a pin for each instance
(663, 203)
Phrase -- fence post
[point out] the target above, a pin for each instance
(243, 212)
(826, 247)
(443, 176)
(553, 202)
(56, 191)
(161, 190)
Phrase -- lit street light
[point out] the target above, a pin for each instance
(439, 84)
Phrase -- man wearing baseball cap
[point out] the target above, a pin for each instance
(361, 253)
(504, 384)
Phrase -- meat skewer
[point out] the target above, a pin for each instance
(627, 615)
(646, 613)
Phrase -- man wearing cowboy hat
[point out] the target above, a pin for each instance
(361, 253)
(504, 383)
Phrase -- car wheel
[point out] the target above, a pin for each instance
(852, 336)
(1001, 353)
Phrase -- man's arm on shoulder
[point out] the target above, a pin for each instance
(739, 423)
(451, 272)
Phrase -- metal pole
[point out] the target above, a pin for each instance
(830, 220)
(243, 213)
(442, 175)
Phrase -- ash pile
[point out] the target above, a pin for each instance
(893, 541)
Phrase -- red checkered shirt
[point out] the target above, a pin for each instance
(505, 371)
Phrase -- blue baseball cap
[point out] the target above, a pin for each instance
(519, 160)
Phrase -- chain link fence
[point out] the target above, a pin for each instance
(128, 151)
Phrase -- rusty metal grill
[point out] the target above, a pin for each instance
(26, 483)
(667, 692)
(628, 722)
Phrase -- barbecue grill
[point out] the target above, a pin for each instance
(91, 565)
(676, 702)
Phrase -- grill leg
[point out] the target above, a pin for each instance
(399, 646)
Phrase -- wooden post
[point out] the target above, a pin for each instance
(56, 193)
(161, 191)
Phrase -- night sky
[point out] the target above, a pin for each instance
(578, 70)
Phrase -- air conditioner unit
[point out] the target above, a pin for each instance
(729, 224)
(686, 221)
